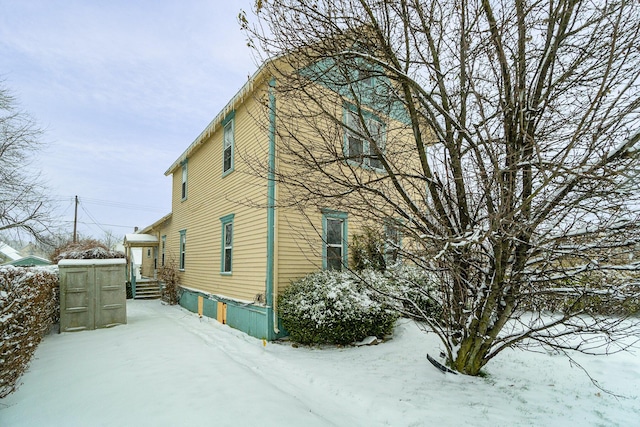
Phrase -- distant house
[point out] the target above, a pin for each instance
(29, 256)
(234, 249)
(29, 261)
(8, 254)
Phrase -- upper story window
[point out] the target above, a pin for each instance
(363, 136)
(228, 142)
(184, 181)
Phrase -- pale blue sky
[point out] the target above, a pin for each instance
(121, 88)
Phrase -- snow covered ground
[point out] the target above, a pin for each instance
(167, 367)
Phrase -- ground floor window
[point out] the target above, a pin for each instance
(334, 240)
(226, 256)
(183, 248)
(164, 243)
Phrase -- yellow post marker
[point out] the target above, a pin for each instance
(200, 306)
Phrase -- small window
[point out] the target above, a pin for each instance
(164, 243)
(148, 252)
(226, 257)
(334, 253)
(183, 248)
(364, 143)
(184, 181)
(227, 156)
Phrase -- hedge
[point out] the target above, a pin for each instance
(29, 307)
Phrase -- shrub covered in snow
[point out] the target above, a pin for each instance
(29, 306)
(335, 307)
(85, 249)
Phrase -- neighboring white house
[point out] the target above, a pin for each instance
(8, 254)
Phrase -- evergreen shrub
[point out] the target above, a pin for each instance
(330, 307)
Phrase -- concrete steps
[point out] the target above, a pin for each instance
(147, 289)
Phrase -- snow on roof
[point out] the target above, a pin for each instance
(110, 261)
(9, 252)
(134, 238)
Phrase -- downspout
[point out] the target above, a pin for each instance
(271, 210)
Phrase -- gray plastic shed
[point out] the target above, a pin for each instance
(92, 294)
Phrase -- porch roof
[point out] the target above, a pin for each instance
(135, 240)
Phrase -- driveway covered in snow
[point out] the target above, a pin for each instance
(167, 367)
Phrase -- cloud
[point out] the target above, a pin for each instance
(121, 87)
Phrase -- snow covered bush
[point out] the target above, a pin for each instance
(335, 308)
(29, 306)
(85, 249)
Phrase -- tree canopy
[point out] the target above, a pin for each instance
(497, 136)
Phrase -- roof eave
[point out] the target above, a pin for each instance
(238, 98)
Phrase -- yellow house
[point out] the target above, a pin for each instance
(232, 241)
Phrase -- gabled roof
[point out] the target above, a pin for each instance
(148, 228)
(30, 260)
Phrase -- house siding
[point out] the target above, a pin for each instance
(213, 196)
(261, 261)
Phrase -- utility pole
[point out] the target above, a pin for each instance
(75, 223)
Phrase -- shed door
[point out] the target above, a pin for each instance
(77, 299)
(110, 296)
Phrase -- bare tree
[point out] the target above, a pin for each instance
(495, 135)
(110, 239)
(24, 204)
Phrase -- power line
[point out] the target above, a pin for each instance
(95, 221)
(100, 224)
(123, 205)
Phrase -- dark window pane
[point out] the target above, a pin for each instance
(227, 159)
(355, 149)
(334, 258)
(375, 162)
(227, 260)
(334, 232)
(228, 235)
